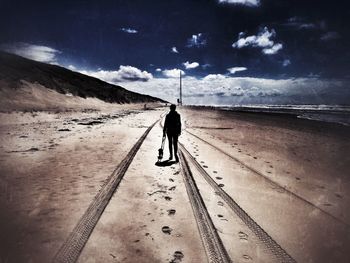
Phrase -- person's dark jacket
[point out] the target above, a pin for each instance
(172, 123)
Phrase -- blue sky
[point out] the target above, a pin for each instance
(230, 51)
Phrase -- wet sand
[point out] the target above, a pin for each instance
(290, 175)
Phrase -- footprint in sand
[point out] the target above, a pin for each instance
(242, 236)
(63, 130)
(205, 166)
(171, 180)
(172, 188)
(218, 178)
(247, 257)
(171, 212)
(215, 172)
(166, 230)
(339, 195)
(168, 198)
(220, 203)
(221, 185)
(177, 257)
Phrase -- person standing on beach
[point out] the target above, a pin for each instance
(172, 128)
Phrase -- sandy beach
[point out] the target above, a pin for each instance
(249, 187)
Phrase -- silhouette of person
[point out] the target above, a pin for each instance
(172, 128)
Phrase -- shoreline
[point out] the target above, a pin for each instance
(325, 116)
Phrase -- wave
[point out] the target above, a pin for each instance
(328, 113)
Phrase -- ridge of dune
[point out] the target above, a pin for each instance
(32, 85)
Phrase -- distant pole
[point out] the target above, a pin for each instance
(180, 89)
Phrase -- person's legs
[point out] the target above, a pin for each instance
(175, 139)
(170, 139)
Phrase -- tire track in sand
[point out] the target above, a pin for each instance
(264, 237)
(214, 248)
(75, 242)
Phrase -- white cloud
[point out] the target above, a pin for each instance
(307, 26)
(217, 89)
(158, 69)
(241, 2)
(294, 19)
(173, 73)
(174, 50)
(286, 62)
(206, 65)
(71, 67)
(330, 36)
(197, 40)
(129, 30)
(189, 65)
(35, 52)
(211, 77)
(313, 75)
(123, 74)
(236, 69)
(262, 40)
(273, 50)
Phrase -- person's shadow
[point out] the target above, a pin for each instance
(165, 163)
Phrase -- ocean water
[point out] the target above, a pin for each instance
(328, 113)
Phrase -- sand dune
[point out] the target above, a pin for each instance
(30, 85)
(35, 97)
